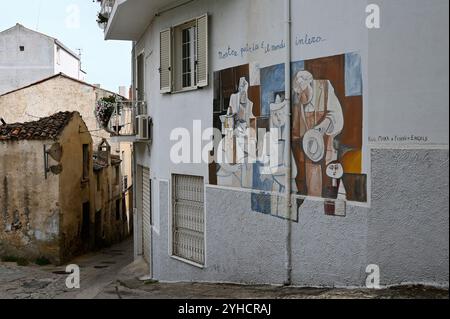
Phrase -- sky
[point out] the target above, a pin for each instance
(73, 22)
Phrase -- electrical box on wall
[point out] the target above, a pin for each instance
(144, 128)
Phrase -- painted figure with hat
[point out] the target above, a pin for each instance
(317, 121)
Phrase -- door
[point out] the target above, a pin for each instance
(85, 226)
(98, 229)
(146, 215)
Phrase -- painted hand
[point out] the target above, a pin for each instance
(325, 127)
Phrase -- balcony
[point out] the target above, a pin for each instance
(123, 125)
(128, 19)
(107, 7)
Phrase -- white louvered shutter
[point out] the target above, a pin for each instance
(202, 51)
(146, 213)
(166, 61)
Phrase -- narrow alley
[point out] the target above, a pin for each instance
(111, 274)
(224, 149)
(97, 270)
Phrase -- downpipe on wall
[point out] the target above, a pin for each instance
(288, 29)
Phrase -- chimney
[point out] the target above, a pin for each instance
(130, 93)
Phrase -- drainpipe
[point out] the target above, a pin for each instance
(134, 170)
(287, 75)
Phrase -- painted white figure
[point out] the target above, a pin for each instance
(242, 107)
(274, 154)
(274, 147)
(237, 171)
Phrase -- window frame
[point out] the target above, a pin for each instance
(174, 49)
(86, 167)
(179, 48)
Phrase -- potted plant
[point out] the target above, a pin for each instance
(102, 20)
(104, 110)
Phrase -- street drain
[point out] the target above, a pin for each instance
(62, 272)
(100, 267)
(108, 262)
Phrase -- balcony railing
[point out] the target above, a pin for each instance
(107, 7)
(123, 120)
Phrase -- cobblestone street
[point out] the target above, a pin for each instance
(109, 274)
(98, 270)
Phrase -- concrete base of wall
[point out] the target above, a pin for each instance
(405, 233)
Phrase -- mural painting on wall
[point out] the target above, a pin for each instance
(326, 133)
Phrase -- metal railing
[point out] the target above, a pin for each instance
(107, 7)
(123, 119)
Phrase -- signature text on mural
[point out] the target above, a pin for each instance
(267, 47)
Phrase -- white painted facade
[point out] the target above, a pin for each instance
(325, 251)
(27, 56)
(68, 63)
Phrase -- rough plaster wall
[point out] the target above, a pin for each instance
(29, 204)
(73, 192)
(326, 250)
(408, 225)
(241, 246)
(329, 250)
(55, 95)
(405, 232)
(22, 68)
(105, 201)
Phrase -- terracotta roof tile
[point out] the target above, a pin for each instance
(48, 128)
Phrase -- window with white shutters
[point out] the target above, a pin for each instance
(188, 218)
(166, 61)
(146, 213)
(202, 51)
(184, 56)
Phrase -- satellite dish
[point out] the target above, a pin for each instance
(56, 169)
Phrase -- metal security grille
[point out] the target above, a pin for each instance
(188, 220)
(146, 213)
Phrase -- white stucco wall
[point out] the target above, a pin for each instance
(408, 68)
(36, 62)
(20, 68)
(234, 24)
(392, 92)
(66, 63)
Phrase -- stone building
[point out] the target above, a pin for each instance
(60, 93)
(48, 189)
(56, 93)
